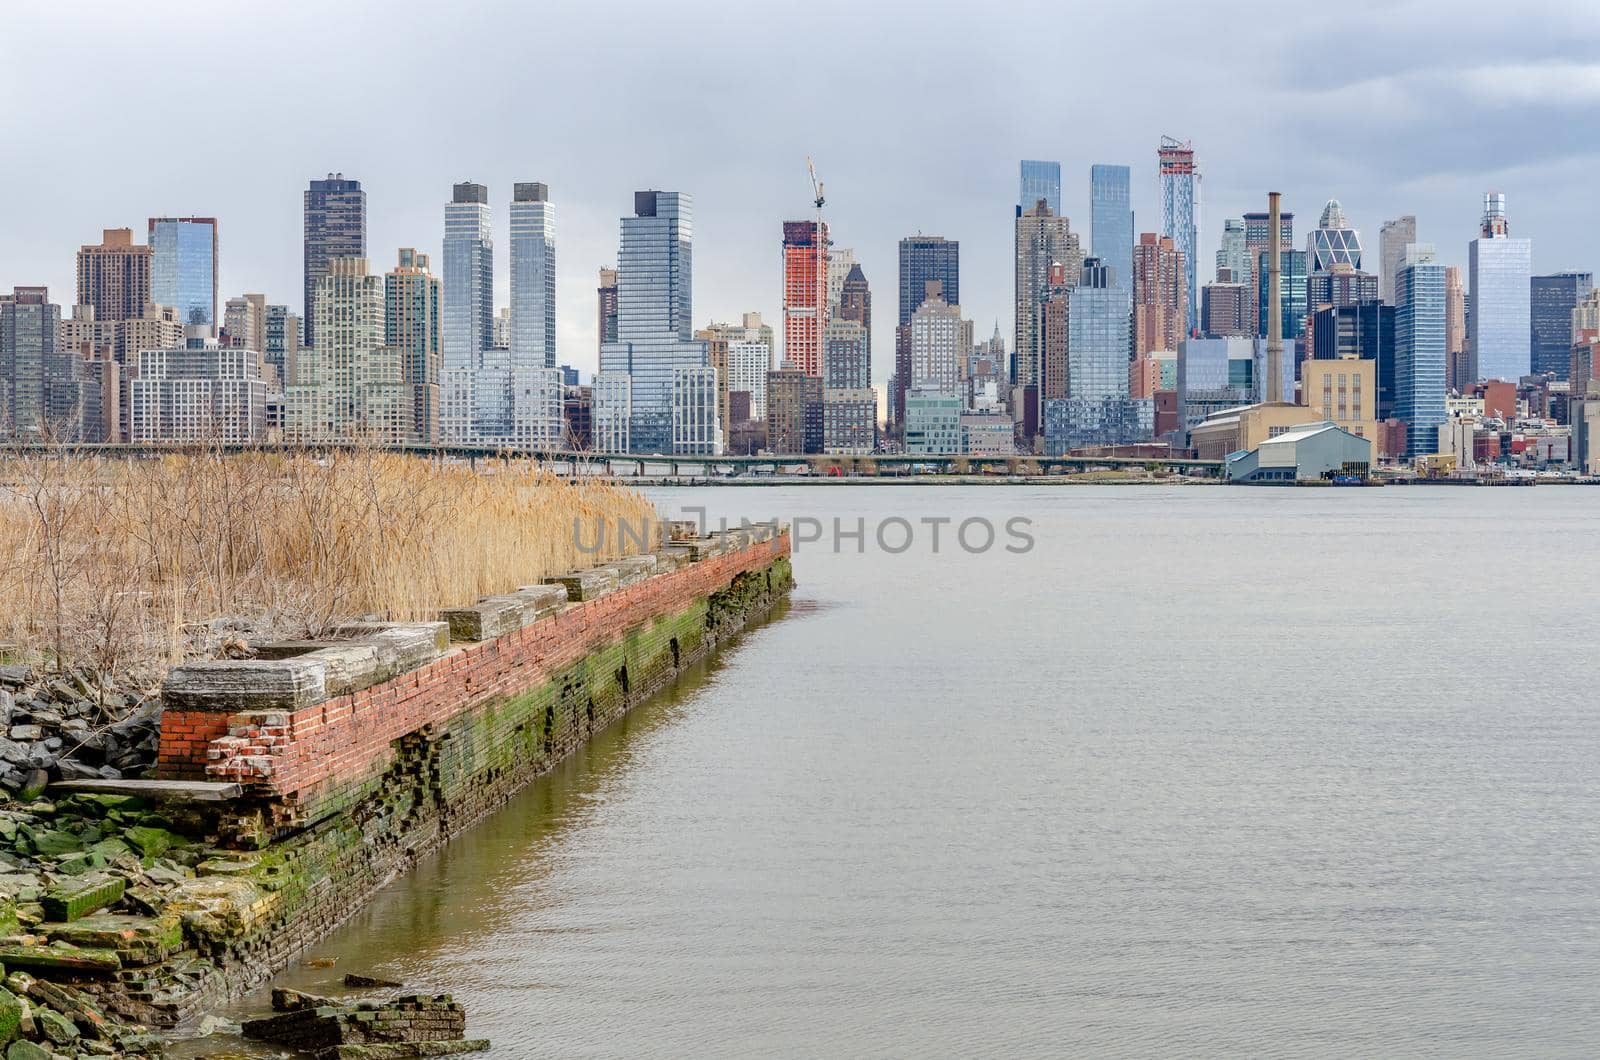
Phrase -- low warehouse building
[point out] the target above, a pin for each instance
(1310, 452)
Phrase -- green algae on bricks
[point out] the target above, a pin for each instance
(60, 955)
(69, 901)
(150, 841)
(11, 1009)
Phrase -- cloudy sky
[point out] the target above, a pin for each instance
(916, 115)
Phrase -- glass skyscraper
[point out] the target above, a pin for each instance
(1180, 214)
(335, 227)
(1111, 220)
(655, 303)
(1097, 336)
(1040, 180)
(1292, 293)
(183, 267)
(1333, 241)
(1501, 268)
(1552, 300)
(1419, 349)
(533, 277)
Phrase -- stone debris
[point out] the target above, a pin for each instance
(72, 727)
(409, 1025)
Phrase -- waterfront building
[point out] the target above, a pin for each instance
(199, 392)
(606, 325)
(1307, 452)
(933, 421)
(849, 421)
(183, 267)
(1344, 390)
(795, 413)
(1160, 298)
(532, 313)
(1111, 220)
(612, 411)
(1419, 340)
(350, 384)
(845, 360)
(35, 372)
(1039, 180)
(413, 298)
(655, 303)
(114, 276)
(1393, 239)
(805, 293)
(1077, 423)
(922, 258)
(282, 343)
(1180, 216)
(1333, 242)
(244, 319)
(1226, 310)
(335, 227)
(1042, 239)
(696, 429)
(1500, 268)
(1553, 299)
(988, 433)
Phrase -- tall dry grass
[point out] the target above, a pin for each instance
(131, 566)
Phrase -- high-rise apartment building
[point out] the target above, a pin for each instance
(114, 276)
(840, 261)
(1225, 310)
(1419, 348)
(935, 341)
(1333, 242)
(1160, 298)
(244, 318)
(1236, 262)
(1039, 180)
(1552, 301)
(281, 344)
(805, 293)
(466, 326)
(654, 310)
(1500, 268)
(742, 354)
(533, 277)
(335, 227)
(198, 392)
(1055, 311)
(1459, 364)
(1180, 215)
(413, 306)
(855, 303)
(1042, 239)
(36, 397)
(1111, 220)
(183, 267)
(1393, 238)
(1097, 330)
(922, 258)
(846, 362)
(1293, 291)
(606, 294)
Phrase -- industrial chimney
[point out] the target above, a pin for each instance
(1272, 393)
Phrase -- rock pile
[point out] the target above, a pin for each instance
(411, 1025)
(71, 727)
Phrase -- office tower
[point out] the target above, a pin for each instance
(1340, 285)
(1235, 260)
(655, 291)
(805, 293)
(922, 258)
(1097, 336)
(1333, 242)
(1393, 239)
(1257, 229)
(1160, 306)
(1040, 180)
(1459, 366)
(1419, 348)
(335, 227)
(114, 276)
(846, 364)
(533, 277)
(935, 343)
(1042, 239)
(1225, 310)
(1111, 221)
(183, 267)
(35, 373)
(841, 260)
(198, 392)
(1500, 269)
(350, 384)
(1363, 329)
(1293, 287)
(1180, 215)
(244, 318)
(1552, 300)
(412, 308)
(855, 303)
(606, 325)
(281, 344)
(1055, 312)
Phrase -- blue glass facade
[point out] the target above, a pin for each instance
(1098, 338)
(1111, 218)
(1292, 293)
(183, 267)
(1499, 332)
(1040, 180)
(467, 327)
(533, 277)
(1419, 351)
(1551, 302)
(1180, 220)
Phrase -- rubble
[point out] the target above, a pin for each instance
(409, 1025)
(71, 727)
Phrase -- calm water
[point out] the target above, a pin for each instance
(1208, 772)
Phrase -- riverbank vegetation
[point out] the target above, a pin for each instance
(129, 566)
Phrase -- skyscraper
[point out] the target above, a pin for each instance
(840, 261)
(335, 227)
(1459, 363)
(114, 276)
(1233, 255)
(1111, 221)
(1333, 241)
(1294, 292)
(183, 267)
(34, 370)
(1040, 180)
(467, 315)
(245, 318)
(935, 334)
(805, 293)
(1393, 239)
(1553, 298)
(655, 303)
(1180, 214)
(1419, 348)
(922, 258)
(1160, 302)
(1055, 311)
(1042, 239)
(533, 277)
(412, 308)
(282, 343)
(1097, 409)
(1500, 268)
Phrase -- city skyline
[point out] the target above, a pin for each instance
(1376, 141)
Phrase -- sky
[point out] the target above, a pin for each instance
(916, 115)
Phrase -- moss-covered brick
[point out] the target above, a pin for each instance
(137, 940)
(60, 956)
(53, 841)
(151, 841)
(69, 901)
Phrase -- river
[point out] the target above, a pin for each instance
(1206, 771)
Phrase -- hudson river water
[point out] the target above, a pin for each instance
(1208, 772)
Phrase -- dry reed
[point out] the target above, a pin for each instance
(130, 566)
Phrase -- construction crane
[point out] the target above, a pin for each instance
(816, 187)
